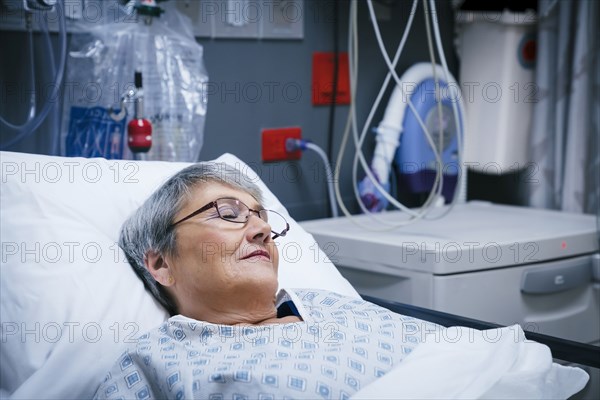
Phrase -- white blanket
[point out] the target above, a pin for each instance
(463, 363)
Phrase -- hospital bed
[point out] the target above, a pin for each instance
(562, 349)
(70, 303)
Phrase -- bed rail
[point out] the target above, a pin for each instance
(562, 349)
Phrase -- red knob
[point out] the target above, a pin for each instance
(139, 135)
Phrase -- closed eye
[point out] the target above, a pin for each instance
(212, 215)
(228, 212)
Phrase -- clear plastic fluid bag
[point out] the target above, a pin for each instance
(101, 66)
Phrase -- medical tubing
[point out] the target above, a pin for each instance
(32, 100)
(32, 125)
(358, 143)
(461, 124)
(436, 81)
(391, 126)
(48, 48)
(385, 149)
(425, 208)
(460, 131)
(447, 77)
(391, 68)
(352, 57)
(353, 53)
(459, 191)
(438, 43)
(353, 64)
(53, 117)
(28, 128)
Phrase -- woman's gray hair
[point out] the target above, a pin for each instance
(149, 228)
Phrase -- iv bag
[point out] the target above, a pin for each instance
(100, 69)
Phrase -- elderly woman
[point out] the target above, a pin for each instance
(204, 247)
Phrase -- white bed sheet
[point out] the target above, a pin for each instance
(464, 363)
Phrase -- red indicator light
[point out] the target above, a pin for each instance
(563, 245)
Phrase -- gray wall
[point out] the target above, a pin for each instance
(236, 114)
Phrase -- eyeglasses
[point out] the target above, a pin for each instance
(233, 210)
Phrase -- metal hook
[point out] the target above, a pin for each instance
(118, 116)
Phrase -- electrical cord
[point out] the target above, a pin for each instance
(292, 145)
(334, 89)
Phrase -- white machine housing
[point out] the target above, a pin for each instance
(501, 264)
(498, 88)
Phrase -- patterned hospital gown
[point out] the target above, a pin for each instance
(341, 345)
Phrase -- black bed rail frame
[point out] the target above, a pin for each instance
(562, 349)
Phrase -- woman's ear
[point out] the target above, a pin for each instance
(159, 268)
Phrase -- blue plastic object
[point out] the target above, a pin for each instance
(372, 198)
(415, 159)
(93, 133)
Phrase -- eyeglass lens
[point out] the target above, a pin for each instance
(234, 210)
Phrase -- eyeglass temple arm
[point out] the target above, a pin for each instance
(206, 207)
(283, 233)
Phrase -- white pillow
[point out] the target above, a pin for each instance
(70, 302)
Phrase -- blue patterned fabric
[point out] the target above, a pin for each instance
(341, 345)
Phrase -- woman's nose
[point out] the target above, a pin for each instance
(258, 228)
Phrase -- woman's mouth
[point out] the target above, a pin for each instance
(257, 254)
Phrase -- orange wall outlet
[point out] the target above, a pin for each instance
(273, 144)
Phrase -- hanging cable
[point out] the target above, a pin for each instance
(32, 100)
(391, 68)
(436, 81)
(461, 182)
(351, 124)
(353, 66)
(358, 142)
(351, 120)
(31, 125)
(292, 145)
(53, 116)
(334, 88)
